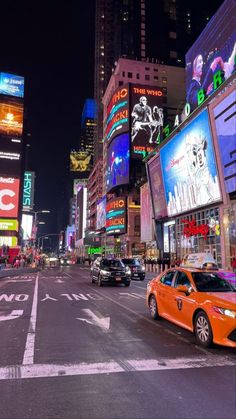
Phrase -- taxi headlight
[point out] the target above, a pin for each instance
(143, 268)
(225, 311)
(105, 273)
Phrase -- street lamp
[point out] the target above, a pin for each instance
(36, 222)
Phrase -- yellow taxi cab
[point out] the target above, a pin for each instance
(198, 300)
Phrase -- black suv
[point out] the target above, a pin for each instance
(111, 271)
(137, 269)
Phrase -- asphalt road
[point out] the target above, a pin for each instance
(72, 350)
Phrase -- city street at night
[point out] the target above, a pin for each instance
(72, 349)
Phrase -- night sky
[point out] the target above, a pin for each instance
(50, 43)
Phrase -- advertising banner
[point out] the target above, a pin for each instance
(213, 52)
(27, 226)
(81, 161)
(12, 85)
(80, 218)
(78, 184)
(118, 155)
(189, 168)
(101, 214)
(116, 216)
(11, 118)
(225, 122)
(117, 120)
(146, 214)
(28, 191)
(8, 225)
(9, 197)
(157, 188)
(10, 157)
(146, 119)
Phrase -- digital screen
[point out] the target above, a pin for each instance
(146, 119)
(8, 225)
(213, 51)
(117, 111)
(146, 214)
(80, 217)
(189, 168)
(11, 118)
(12, 85)
(157, 187)
(80, 161)
(27, 225)
(78, 184)
(9, 197)
(10, 157)
(101, 214)
(116, 216)
(117, 172)
(28, 190)
(225, 122)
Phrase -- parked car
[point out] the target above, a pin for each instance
(137, 269)
(113, 271)
(200, 301)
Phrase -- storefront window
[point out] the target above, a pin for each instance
(199, 232)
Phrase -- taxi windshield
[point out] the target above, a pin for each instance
(211, 282)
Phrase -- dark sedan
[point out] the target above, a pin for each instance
(137, 269)
(111, 271)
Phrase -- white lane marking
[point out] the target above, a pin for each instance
(111, 367)
(102, 322)
(30, 340)
(19, 280)
(11, 316)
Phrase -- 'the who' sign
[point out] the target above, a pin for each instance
(28, 191)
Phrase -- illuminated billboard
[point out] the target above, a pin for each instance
(78, 184)
(28, 191)
(116, 216)
(189, 168)
(11, 118)
(146, 214)
(101, 214)
(80, 161)
(157, 188)
(146, 119)
(12, 85)
(27, 226)
(80, 217)
(8, 225)
(10, 241)
(225, 123)
(117, 111)
(10, 157)
(9, 197)
(117, 172)
(212, 54)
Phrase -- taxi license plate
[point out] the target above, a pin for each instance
(118, 278)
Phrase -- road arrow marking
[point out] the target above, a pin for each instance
(59, 281)
(102, 322)
(13, 315)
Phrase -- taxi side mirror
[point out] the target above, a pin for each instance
(183, 288)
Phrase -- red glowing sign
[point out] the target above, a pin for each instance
(191, 229)
(9, 197)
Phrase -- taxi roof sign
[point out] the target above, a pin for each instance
(200, 261)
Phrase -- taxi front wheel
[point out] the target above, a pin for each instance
(203, 331)
(153, 310)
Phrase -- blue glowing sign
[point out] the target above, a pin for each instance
(12, 85)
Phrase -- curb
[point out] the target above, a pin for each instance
(17, 271)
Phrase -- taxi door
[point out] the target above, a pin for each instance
(184, 305)
(166, 294)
